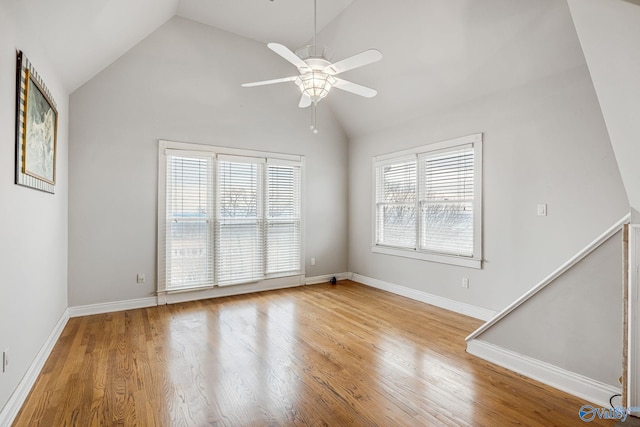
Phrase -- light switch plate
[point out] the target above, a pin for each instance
(542, 210)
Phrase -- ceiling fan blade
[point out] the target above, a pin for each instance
(288, 55)
(269, 82)
(358, 60)
(345, 85)
(305, 101)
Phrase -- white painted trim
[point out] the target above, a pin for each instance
(438, 301)
(303, 213)
(193, 295)
(216, 153)
(218, 149)
(553, 276)
(15, 402)
(428, 256)
(314, 280)
(231, 290)
(111, 307)
(434, 146)
(161, 242)
(475, 142)
(633, 321)
(578, 385)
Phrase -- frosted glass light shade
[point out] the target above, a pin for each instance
(315, 84)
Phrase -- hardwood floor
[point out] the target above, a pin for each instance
(315, 355)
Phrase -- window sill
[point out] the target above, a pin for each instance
(165, 297)
(439, 258)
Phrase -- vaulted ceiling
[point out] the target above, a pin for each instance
(82, 37)
(289, 22)
(609, 31)
(436, 53)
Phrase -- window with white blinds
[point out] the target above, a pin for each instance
(446, 201)
(428, 202)
(189, 205)
(228, 219)
(283, 217)
(239, 222)
(396, 195)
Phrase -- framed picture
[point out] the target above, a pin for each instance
(36, 130)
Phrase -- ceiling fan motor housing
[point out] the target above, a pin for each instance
(310, 51)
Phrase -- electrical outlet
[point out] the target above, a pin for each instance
(465, 282)
(140, 278)
(5, 360)
(313, 261)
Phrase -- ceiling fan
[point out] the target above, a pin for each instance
(317, 74)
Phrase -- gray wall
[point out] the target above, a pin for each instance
(609, 31)
(544, 142)
(574, 323)
(33, 225)
(182, 83)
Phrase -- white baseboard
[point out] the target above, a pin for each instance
(173, 298)
(314, 280)
(15, 402)
(590, 390)
(438, 301)
(231, 290)
(110, 307)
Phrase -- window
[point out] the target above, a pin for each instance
(189, 261)
(428, 202)
(283, 218)
(239, 220)
(227, 216)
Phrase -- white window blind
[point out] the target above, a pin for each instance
(427, 202)
(240, 245)
(283, 237)
(446, 201)
(227, 219)
(188, 237)
(396, 204)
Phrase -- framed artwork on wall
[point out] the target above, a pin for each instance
(36, 129)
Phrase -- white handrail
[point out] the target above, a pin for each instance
(553, 276)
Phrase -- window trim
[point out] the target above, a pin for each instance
(475, 141)
(203, 150)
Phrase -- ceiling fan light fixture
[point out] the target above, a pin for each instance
(315, 84)
(317, 72)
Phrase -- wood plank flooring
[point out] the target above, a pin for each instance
(317, 355)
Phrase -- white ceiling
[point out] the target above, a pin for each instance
(436, 53)
(614, 62)
(289, 22)
(82, 37)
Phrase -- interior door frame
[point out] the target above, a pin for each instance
(633, 321)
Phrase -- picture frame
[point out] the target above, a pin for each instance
(36, 129)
